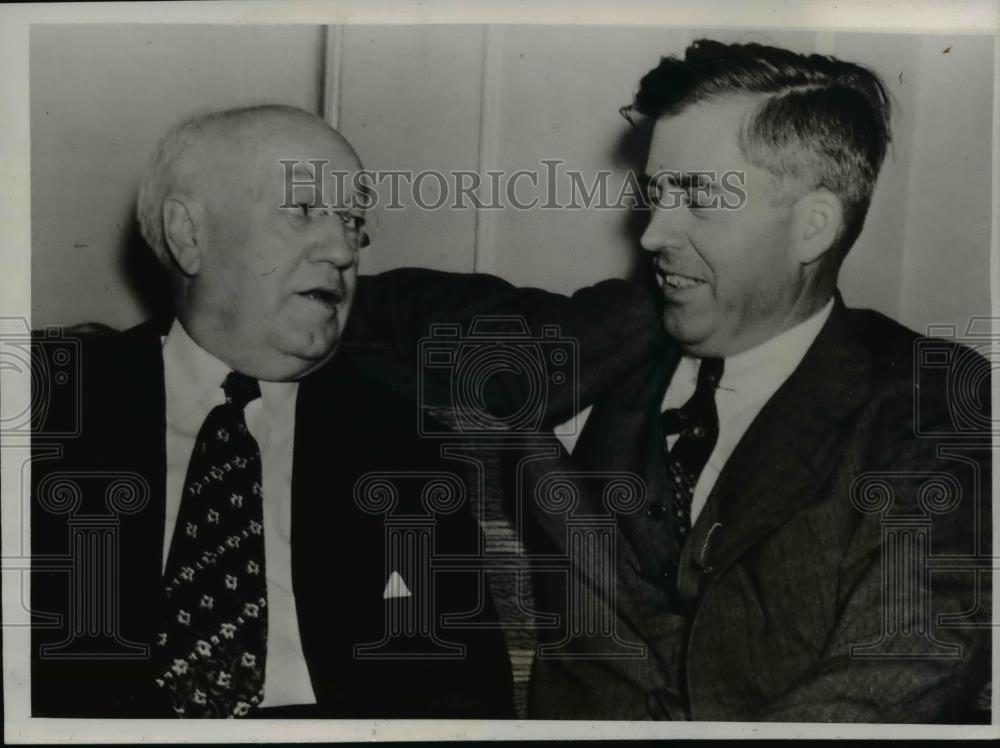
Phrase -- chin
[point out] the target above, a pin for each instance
(684, 329)
(297, 350)
(695, 340)
(317, 352)
(290, 366)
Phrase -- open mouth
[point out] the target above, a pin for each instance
(323, 296)
(680, 281)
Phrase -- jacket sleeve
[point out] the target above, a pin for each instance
(533, 344)
(911, 642)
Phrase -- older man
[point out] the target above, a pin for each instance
(245, 579)
(267, 503)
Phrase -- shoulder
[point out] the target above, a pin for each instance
(83, 369)
(93, 346)
(936, 363)
(889, 344)
(935, 386)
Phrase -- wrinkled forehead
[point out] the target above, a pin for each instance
(274, 155)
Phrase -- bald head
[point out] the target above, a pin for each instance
(227, 151)
(263, 275)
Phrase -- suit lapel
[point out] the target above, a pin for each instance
(782, 458)
(139, 398)
(337, 550)
(312, 518)
(622, 434)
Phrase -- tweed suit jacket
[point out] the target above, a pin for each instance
(838, 570)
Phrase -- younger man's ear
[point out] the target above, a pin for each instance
(816, 222)
(182, 232)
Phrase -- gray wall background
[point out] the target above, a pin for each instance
(478, 98)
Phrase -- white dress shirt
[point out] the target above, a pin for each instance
(193, 379)
(749, 379)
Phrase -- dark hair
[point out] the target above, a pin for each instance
(821, 122)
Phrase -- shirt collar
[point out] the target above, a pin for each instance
(760, 371)
(194, 377)
(765, 367)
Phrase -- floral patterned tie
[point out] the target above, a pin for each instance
(697, 422)
(212, 643)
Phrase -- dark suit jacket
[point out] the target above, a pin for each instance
(103, 485)
(839, 570)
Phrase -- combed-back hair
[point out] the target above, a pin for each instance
(820, 122)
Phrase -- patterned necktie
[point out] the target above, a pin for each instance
(213, 641)
(697, 422)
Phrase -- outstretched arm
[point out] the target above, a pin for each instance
(610, 328)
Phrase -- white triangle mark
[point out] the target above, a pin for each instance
(396, 587)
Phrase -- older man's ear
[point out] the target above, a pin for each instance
(182, 235)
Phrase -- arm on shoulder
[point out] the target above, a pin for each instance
(607, 330)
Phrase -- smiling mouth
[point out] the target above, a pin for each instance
(680, 281)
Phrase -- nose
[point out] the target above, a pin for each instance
(664, 230)
(333, 246)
